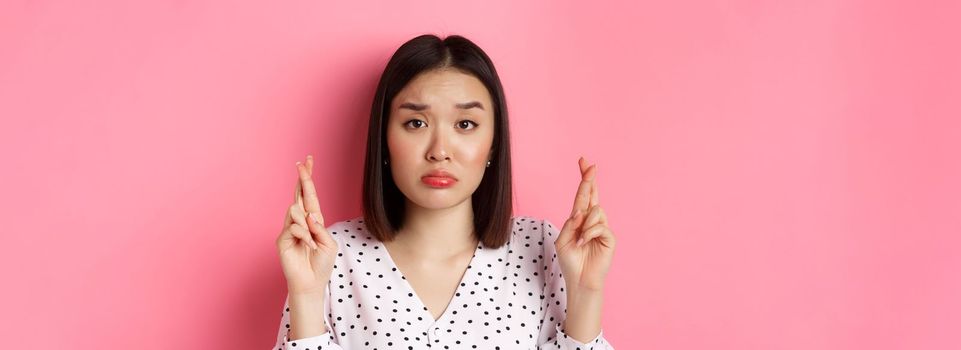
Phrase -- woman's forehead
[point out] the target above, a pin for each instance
(448, 87)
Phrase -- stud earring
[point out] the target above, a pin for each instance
(488, 164)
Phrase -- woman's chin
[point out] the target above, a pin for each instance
(438, 201)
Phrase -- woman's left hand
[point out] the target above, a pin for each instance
(585, 245)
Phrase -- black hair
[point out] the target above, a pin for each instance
(383, 203)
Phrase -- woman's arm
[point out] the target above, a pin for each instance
(583, 321)
(306, 311)
(571, 320)
(306, 316)
(585, 248)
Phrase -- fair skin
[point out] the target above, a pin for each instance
(442, 119)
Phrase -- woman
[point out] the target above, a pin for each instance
(437, 260)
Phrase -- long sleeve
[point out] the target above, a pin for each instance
(552, 336)
(324, 341)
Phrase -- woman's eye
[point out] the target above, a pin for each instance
(417, 123)
(466, 124)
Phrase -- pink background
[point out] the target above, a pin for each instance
(780, 174)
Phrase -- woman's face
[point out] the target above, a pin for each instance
(441, 120)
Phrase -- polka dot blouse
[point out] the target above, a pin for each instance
(509, 298)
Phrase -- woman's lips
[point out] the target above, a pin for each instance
(438, 181)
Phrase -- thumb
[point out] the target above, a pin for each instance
(569, 232)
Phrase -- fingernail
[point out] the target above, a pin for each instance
(313, 218)
(580, 242)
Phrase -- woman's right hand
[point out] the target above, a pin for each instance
(306, 249)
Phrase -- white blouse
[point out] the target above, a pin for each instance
(509, 298)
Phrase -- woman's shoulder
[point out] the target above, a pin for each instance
(533, 221)
(350, 222)
(352, 227)
(525, 227)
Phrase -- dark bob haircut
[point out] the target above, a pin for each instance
(383, 202)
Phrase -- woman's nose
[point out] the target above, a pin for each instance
(438, 148)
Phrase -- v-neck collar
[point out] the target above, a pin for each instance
(476, 259)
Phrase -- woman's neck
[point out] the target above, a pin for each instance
(438, 234)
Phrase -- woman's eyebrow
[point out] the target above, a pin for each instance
(470, 105)
(420, 107)
(413, 106)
